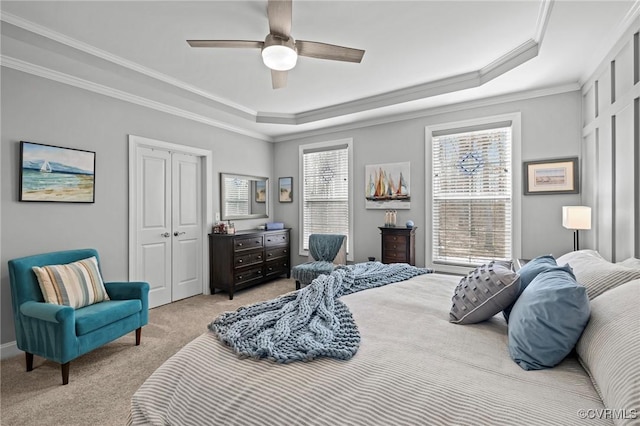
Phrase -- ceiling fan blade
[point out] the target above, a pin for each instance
(278, 79)
(279, 14)
(314, 49)
(226, 43)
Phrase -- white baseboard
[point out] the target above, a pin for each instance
(8, 350)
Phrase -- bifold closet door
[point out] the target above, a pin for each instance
(169, 224)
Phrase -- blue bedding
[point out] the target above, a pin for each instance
(311, 322)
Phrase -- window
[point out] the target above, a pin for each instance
(471, 196)
(326, 190)
(236, 197)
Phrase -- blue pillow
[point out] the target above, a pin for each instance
(527, 273)
(548, 319)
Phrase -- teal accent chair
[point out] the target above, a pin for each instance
(325, 252)
(61, 333)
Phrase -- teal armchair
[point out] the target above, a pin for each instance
(61, 333)
(325, 252)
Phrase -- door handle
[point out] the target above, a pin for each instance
(166, 235)
(175, 234)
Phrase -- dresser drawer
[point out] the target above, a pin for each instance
(242, 260)
(275, 253)
(277, 267)
(276, 239)
(399, 240)
(395, 245)
(248, 275)
(248, 243)
(394, 257)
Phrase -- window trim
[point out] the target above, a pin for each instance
(516, 184)
(322, 146)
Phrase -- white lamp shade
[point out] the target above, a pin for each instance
(279, 57)
(576, 217)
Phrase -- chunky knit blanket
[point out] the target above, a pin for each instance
(310, 322)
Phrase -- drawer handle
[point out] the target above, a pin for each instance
(257, 241)
(271, 269)
(259, 257)
(239, 260)
(395, 238)
(239, 244)
(269, 254)
(395, 246)
(239, 277)
(284, 251)
(269, 239)
(284, 264)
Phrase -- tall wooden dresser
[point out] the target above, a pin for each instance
(247, 258)
(398, 244)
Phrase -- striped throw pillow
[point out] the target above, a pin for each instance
(609, 349)
(75, 284)
(598, 275)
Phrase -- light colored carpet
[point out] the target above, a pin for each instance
(102, 382)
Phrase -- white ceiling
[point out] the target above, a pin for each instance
(419, 54)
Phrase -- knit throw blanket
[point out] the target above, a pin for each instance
(310, 322)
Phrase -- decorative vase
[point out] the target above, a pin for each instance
(409, 224)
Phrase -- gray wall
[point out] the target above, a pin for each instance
(551, 128)
(39, 110)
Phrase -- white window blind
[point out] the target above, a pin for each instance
(237, 197)
(325, 192)
(472, 198)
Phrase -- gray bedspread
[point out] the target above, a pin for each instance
(413, 368)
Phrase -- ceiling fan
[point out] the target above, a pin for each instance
(279, 50)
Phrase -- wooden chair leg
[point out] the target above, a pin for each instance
(29, 358)
(65, 373)
(138, 335)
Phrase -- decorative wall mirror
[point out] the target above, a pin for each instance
(243, 197)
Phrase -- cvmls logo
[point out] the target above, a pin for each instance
(608, 413)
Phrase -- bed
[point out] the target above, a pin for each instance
(413, 367)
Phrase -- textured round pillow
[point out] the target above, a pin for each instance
(484, 292)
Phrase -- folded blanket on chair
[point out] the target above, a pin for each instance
(308, 323)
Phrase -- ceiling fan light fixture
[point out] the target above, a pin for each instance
(279, 54)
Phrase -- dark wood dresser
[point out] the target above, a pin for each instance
(247, 258)
(398, 244)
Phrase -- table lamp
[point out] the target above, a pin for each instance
(576, 218)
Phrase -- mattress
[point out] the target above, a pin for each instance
(413, 367)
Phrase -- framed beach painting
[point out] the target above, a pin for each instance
(261, 191)
(285, 189)
(558, 176)
(53, 173)
(388, 186)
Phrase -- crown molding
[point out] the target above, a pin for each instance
(37, 70)
(133, 66)
(501, 65)
(461, 106)
(604, 52)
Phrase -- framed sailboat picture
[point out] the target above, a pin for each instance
(53, 173)
(388, 186)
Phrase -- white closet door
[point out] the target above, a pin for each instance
(154, 223)
(187, 226)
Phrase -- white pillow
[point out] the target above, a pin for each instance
(596, 273)
(609, 348)
(631, 262)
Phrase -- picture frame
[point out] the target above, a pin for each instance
(261, 191)
(387, 186)
(552, 176)
(50, 173)
(285, 189)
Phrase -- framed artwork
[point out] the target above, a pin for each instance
(261, 191)
(285, 189)
(558, 176)
(53, 173)
(388, 186)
